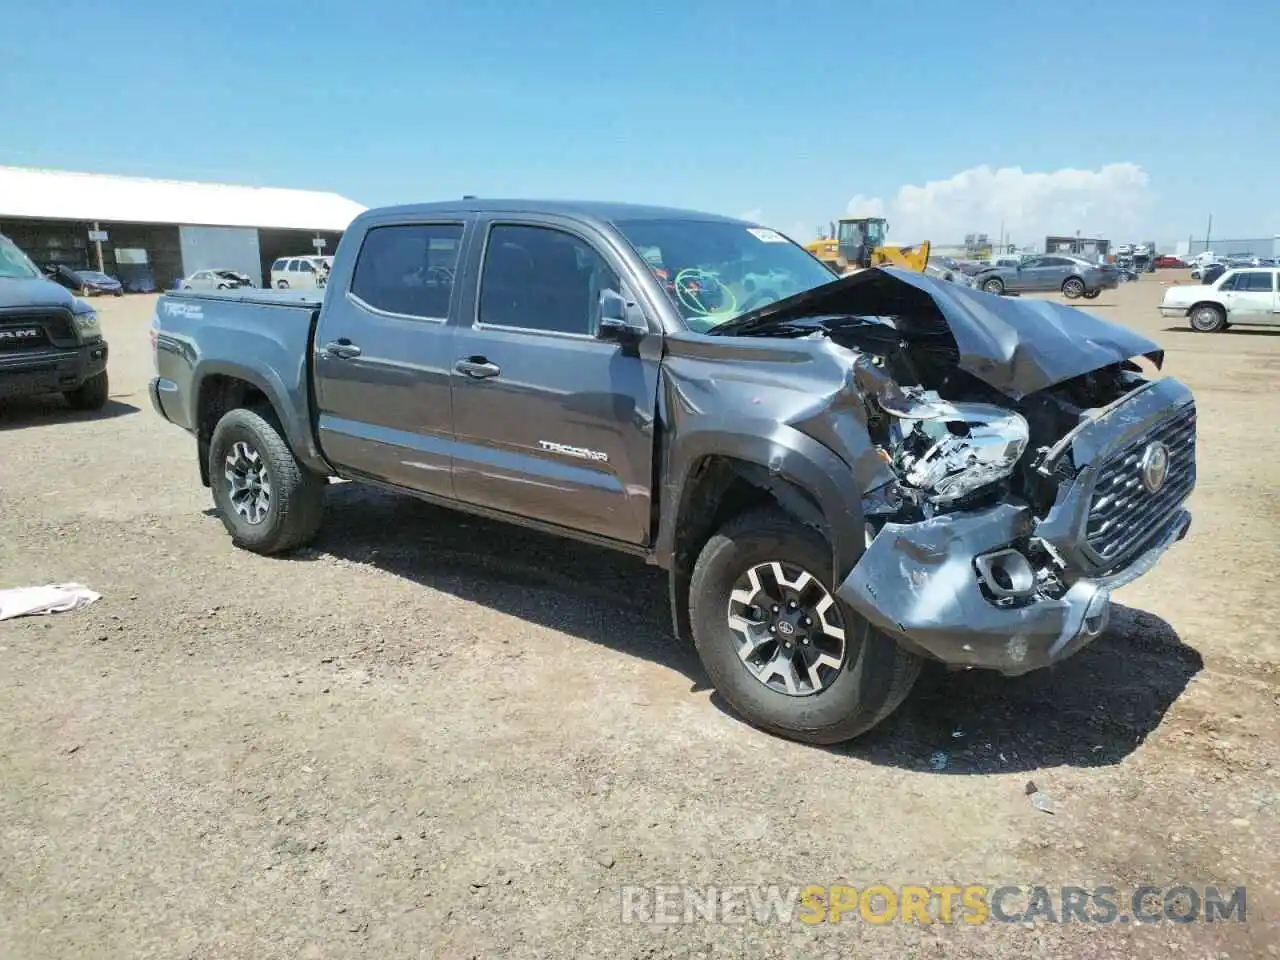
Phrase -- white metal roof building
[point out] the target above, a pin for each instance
(165, 228)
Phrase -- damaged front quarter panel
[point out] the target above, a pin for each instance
(966, 561)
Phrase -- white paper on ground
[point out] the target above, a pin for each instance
(54, 598)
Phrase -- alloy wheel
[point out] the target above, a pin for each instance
(788, 627)
(248, 483)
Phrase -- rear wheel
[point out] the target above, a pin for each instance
(266, 499)
(282, 284)
(994, 285)
(1208, 318)
(1073, 288)
(90, 395)
(1092, 294)
(781, 649)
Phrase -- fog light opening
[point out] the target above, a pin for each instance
(1007, 573)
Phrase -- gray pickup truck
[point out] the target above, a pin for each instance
(50, 342)
(842, 476)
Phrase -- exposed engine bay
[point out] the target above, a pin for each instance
(1032, 467)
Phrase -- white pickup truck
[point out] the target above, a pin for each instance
(1246, 296)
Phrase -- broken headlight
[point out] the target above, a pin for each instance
(947, 450)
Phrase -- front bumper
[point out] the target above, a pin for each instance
(918, 583)
(923, 582)
(53, 370)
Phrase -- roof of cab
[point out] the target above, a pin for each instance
(598, 210)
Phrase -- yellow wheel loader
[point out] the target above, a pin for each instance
(860, 243)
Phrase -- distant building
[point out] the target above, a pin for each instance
(1095, 248)
(162, 230)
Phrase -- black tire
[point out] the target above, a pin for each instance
(222, 286)
(117, 293)
(873, 679)
(1208, 318)
(296, 503)
(994, 285)
(282, 284)
(90, 395)
(1073, 288)
(1092, 294)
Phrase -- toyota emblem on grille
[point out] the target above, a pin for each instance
(1154, 467)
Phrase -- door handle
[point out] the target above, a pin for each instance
(478, 367)
(343, 349)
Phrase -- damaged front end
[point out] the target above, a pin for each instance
(1035, 469)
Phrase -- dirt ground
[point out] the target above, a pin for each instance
(432, 736)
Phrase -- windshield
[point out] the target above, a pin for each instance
(14, 264)
(714, 271)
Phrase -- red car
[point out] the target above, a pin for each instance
(1167, 261)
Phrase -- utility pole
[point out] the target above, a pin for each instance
(98, 246)
(1208, 232)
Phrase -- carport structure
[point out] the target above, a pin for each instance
(152, 232)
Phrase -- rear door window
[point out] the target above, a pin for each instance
(408, 269)
(279, 265)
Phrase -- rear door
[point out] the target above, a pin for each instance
(551, 423)
(384, 355)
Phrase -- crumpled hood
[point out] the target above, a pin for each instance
(1016, 346)
(33, 293)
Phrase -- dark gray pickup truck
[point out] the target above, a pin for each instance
(50, 342)
(842, 476)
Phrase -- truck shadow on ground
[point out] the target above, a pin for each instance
(1092, 710)
(37, 411)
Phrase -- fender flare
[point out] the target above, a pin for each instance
(296, 426)
(802, 473)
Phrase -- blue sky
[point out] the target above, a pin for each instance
(788, 111)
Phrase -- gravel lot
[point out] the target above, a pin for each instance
(432, 736)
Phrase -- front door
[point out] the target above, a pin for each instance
(551, 423)
(383, 358)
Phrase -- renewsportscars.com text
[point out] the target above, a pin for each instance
(971, 904)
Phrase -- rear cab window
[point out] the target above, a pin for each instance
(408, 269)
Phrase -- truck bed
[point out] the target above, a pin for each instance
(261, 337)
(311, 299)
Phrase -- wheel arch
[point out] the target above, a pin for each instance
(717, 475)
(220, 387)
(1207, 303)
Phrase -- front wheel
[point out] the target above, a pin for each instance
(780, 648)
(993, 286)
(90, 395)
(1208, 319)
(266, 499)
(282, 284)
(1073, 288)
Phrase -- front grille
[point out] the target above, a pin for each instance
(55, 328)
(1123, 513)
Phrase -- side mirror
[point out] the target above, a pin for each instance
(621, 320)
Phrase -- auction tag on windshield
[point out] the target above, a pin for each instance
(765, 235)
